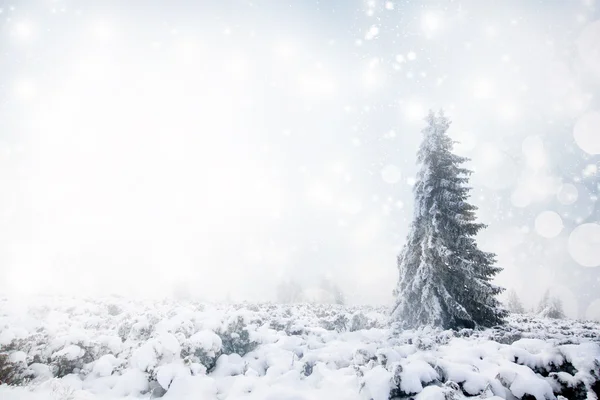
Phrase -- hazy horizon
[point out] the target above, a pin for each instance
(232, 146)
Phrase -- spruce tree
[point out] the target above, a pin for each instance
(544, 301)
(555, 309)
(445, 279)
(551, 307)
(514, 304)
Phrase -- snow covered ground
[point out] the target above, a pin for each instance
(115, 348)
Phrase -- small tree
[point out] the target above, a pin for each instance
(445, 280)
(556, 309)
(339, 297)
(544, 302)
(514, 304)
(551, 306)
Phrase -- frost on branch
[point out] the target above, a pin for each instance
(445, 280)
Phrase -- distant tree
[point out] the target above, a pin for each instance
(551, 306)
(445, 279)
(544, 302)
(556, 309)
(339, 297)
(514, 304)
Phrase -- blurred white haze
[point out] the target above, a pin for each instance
(229, 146)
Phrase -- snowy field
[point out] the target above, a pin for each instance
(112, 348)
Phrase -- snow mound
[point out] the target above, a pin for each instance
(115, 348)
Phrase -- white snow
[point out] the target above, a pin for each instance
(415, 373)
(71, 352)
(378, 382)
(522, 380)
(207, 340)
(302, 351)
(166, 374)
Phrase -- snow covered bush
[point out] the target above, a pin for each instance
(338, 323)
(35, 346)
(68, 360)
(114, 309)
(12, 372)
(235, 337)
(178, 350)
(359, 322)
(203, 347)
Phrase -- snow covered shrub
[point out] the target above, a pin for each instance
(567, 385)
(396, 390)
(35, 346)
(11, 372)
(363, 356)
(113, 309)
(340, 323)
(294, 329)
(307, 368)
(235, 338)
(141, 330)
(203, 347)
(69, 360)
(359, 322)
(287, 325)
(336, 323)
(61, 390)
(595, 375)
(425, 343)
(185, 354)
(40, 312)
(184, 330)
(278, 325)
(124, 329)
(253, 307)
(149, 359)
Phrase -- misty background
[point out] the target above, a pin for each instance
(228, 147)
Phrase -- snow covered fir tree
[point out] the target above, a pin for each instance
(514, 304)
(445, 279)
(550, 306)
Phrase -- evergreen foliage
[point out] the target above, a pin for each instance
(550, 307)
(514, 303)
(445, 279)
